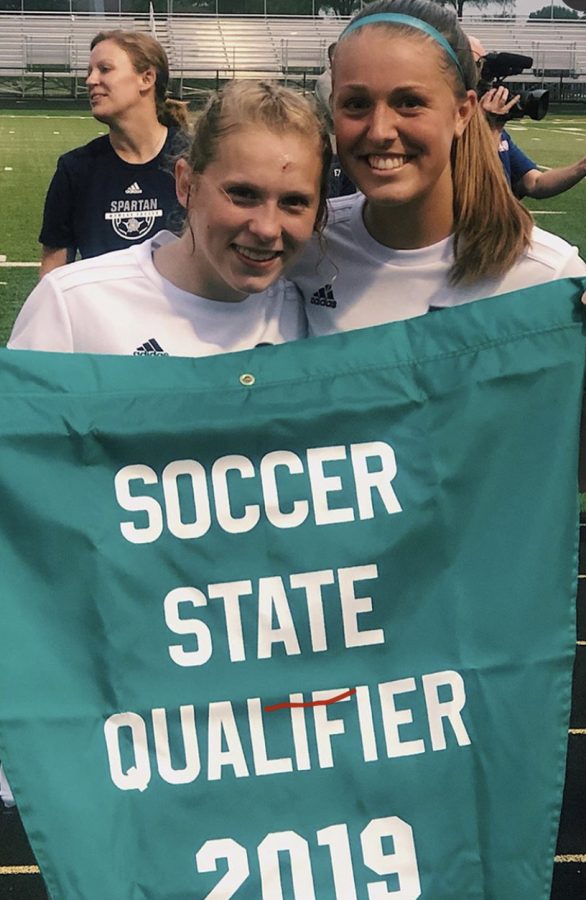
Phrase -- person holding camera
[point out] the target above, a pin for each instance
(523, 174)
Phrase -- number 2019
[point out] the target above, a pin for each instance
(400, 862)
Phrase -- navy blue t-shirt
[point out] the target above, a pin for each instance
(97, 202)
(339, 185)
(515, 162)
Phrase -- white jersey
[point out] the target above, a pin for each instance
(5, 792)
(349, 280)
(118, 303)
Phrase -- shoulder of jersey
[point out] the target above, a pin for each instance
(114, 266)
(549, 249)
(340, 208)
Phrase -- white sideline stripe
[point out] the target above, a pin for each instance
(19, 265)
(537, 212)
(19, 870)
(34, 870)
(3, 116)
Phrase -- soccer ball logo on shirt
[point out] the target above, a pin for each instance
(132, 219)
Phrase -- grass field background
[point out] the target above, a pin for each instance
(31, 141)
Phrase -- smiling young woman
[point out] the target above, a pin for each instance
(119, 188)
(253, 187)
(435, 223)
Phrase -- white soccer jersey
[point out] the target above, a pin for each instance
(349, 280)
(118, 303)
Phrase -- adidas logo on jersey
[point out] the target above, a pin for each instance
(324, 297)
(150, 348)
(134, 188)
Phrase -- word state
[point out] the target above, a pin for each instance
(278, 607)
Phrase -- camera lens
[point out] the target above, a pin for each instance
(531, 103)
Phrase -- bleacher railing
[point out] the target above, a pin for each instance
(294, 47)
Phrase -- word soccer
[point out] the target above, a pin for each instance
(373, 467)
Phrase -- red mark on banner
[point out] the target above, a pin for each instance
(311, 702)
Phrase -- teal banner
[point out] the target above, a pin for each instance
(296, 623)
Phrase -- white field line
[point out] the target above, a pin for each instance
(578, 128)
(19, 870)
(34, 870)
(5, 116)
(19, 265)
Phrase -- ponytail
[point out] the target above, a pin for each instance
(173, 113)
(492, 228)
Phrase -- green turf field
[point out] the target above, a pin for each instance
(557, 141)
(31, 141)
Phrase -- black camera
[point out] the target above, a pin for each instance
(498, 66)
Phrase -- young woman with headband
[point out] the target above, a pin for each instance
(118, 189)
(253, 186)
(435, 223)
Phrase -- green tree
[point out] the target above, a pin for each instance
(341, 7)
(292, 7)
(194, 6)
(271, 7)
(555, 12)
(507, 6)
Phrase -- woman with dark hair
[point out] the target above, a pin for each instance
(435, 223)
(119, 188)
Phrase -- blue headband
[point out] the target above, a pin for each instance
(400, 19)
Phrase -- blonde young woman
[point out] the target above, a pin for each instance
(435, 223)
(253, 190)
(118, 189)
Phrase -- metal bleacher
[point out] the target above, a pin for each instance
(201, 46)
(204, 48)
(250, 45)
(557, 47)
(34, 41)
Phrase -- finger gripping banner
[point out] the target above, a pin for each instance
(296, 623)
